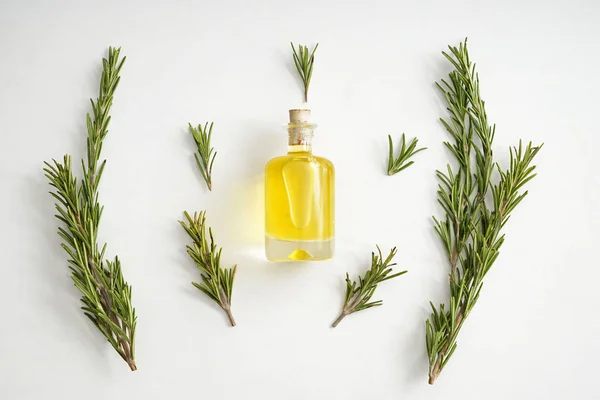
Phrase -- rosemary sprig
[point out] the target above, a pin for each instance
(217, 282)
(205, 157)
(471, 230)
(304, 61)
(106, 295)
(358, 295)
(399, 163)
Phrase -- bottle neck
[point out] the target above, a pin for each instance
(300, 138)
(300, 147)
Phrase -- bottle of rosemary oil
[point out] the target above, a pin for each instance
(299, 198)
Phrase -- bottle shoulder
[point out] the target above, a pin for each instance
(280, 161)
(325, 161)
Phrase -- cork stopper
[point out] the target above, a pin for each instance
(299, 116)
(300, 130)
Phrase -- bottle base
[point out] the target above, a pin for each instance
(298, 250)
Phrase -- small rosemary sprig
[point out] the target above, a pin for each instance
(106, 295)
(358, 295)
(217, 282)
(399, 163)
(304, 61)
(472, 229)
(205, 157)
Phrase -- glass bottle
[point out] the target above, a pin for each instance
(299, 198)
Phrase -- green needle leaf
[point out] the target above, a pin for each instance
(399, 163)
(304, 61)
(205, 157)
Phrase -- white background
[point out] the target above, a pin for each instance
(534, 334)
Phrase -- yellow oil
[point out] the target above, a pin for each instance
(299, 200)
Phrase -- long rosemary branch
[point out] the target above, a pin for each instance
(217, 282)
(358, 295)
(106, 295)
(471, 230)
